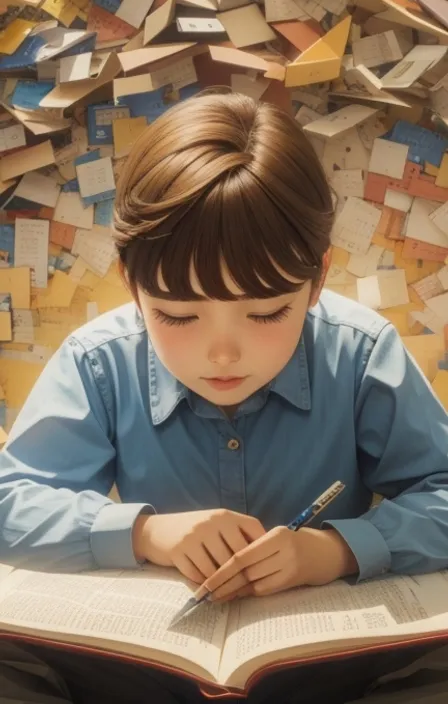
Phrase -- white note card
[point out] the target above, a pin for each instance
(355, 226)
(439, 217)
(348, 182)
(96, 177)
(96, 248)
(31, 248)
(398, 200)
(439, 306)
(365, 264)
(442, 275)
(134, 11)
(375, 50)
(12, 138)
(70, 211)
(388, 158)
(75, 68)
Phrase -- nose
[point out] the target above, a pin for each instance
(224, 352)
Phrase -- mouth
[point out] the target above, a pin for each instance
(223, 383)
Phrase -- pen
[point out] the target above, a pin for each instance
(299, 521)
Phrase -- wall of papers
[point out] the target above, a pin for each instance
(80, 80)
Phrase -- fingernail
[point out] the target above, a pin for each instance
(202, 592)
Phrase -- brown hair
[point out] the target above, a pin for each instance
(219, 178)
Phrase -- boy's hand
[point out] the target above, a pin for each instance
(196, 542)
(282, 559)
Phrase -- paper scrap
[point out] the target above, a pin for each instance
(388, 158)
(70, 211)
(39, 189)
(96, 178)
(12, 138)
(381, 48)
(29, 159)
(355, 226)
(31, 248)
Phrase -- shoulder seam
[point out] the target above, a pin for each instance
(78, 339)
(369, 333)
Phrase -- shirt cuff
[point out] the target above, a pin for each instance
(111, 535)
(366, 543)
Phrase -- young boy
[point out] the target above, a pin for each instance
(230, 394)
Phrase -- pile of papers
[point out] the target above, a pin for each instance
(81, 79)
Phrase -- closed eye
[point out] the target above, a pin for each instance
(275, 317)
(172, 320)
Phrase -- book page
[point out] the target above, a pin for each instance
(116, 610)
(381, 608)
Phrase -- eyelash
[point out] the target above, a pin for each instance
(276, 317)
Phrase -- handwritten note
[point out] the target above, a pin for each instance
(70, 211)
(23, 322)
(31, 248)
(421, 227)
(96, 247)
(348, 182)
(365, 264)
(428, 287)
(355, 226)
(378, 49)
(96, 180)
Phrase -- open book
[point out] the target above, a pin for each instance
(227, 645)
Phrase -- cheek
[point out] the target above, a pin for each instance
(276, 340)
(171, 343)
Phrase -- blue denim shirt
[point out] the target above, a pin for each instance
(351, 405)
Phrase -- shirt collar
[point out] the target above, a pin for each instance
(166, 392)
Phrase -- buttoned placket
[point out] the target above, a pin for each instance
(232, 478)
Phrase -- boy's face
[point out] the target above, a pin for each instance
(226, 350)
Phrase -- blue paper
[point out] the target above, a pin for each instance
(154, 103)
(71, 186)
(7, 242)
(25, 55)
(98, 198)
(99, 122)
(424, 145)
(28, 94)
(109, 5)
(94, 155)
(104, 212)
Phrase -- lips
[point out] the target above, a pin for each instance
(225, 383)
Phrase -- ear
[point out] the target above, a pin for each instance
(318, 286)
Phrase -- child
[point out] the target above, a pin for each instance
(231, 393)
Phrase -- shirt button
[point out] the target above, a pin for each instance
(233, 444)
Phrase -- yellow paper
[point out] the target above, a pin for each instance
(399, 316)
(125, 132)
(440, 387)
(13, 36)
(17, 378)
(3, 437)
(427, 351)
(30, 159)
(442, 176)
(17, 282)
(323, 60)
(431, 170)
(64, 10)
(415, 269)
(5, 326)
(59, 293)
(107, 296)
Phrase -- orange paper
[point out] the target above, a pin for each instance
(107, 26)
(62, 234)
(415, 249)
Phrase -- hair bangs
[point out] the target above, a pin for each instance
(234, 228)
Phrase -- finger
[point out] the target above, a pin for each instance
(270, 585)
(218, 549)
(235, 539)
(240, 594)
(259, 550)
(187, 568)
(251, 527)
(202, 560)
(243, 579)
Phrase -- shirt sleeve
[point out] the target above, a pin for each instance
(56, 471)
(402, 440)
